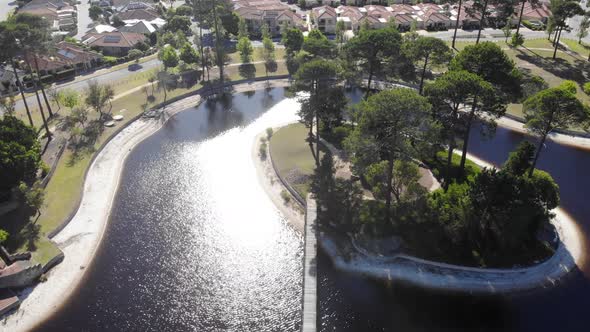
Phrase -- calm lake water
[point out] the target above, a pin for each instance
(194, 244)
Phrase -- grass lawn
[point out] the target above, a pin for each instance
(253, 70)
(438, 167)
(256, 56)
(292, 156)
(536, 57)
(573, 45)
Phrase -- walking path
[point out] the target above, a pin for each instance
(310, 288)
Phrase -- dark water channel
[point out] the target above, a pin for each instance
(192, 247)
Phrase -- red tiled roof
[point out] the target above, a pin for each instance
(114, 39)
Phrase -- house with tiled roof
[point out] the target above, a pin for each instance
(351, 16)
(60, 15)
(113, 43)
(135, 5)
(273, 13)
(138, 14)
(102, 28)
(538, 12)
(291, 20)
(403, 21)
(324, 19)
(435, 20)
(140, 26)
(66, 56)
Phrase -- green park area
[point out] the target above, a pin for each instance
(535, 58)
(63, 190)
(292, 156)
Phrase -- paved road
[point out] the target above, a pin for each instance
(81, 83)
(84, 21)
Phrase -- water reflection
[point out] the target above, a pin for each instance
(194, 243)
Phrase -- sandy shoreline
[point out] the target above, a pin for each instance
(570, 140)
(81, 238)
(273, 187)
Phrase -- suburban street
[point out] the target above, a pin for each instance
(84, 20)
(108, 77)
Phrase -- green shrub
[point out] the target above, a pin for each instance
(262, 149)
(337, 135)
(517, 40)
(587, 88)
(269, 133)
(109, 60)
(44, 169)
(286, 196)
(3, 235)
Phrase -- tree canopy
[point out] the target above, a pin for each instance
(168, 57)
(318, 45)
(179, 23)
(487, 60)
(551, 109)
(372, 49)
(293, 40)
(188, 54)
(427, 51)
(387, 124)
(20, 153)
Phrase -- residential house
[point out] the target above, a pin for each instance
(368, 2)
(435, 20)
(61, 15)
(135, 5)
(102, 28)
(351, 16)
(113, 43)
(403, 21)
(324, 19)
(291, 20)
(273, 13)
(139, 26)
(104, 4)
(66, 56)
(139, 14)
(539, 12)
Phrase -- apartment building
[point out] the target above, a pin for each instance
(274, 13)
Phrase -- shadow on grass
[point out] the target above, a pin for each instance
(22, 227)
(577, 71)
